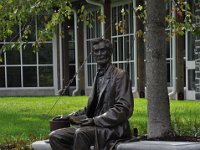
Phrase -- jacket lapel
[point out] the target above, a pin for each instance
(93, 90)
(105, 83)
(91, 101)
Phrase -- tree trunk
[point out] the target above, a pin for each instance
(180, 49)
(159, 124)
(140, 53)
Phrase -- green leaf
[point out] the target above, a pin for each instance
(9, 31)
(181, 33)
(82, 8)
(69, 17)
(10, 1)
(140, 8)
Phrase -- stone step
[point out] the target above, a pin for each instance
(41, 145)
(139, 145)
(159, 145)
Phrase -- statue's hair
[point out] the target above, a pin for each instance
(107, 42)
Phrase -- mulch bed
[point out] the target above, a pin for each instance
(175, 138)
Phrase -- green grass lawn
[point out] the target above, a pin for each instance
(27, 118)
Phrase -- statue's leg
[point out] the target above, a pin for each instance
(84, 138)
(62, 139)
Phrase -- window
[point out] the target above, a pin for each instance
(123, 41)
(169, 47)
(92, 33)
(191, 79)
(71, 48)
(2, 77)
(24, 68)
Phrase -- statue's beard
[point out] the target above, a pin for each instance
(103, 62)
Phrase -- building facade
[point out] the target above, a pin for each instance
(49, 70)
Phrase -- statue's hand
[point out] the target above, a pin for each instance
(87, 122)
(76, 119)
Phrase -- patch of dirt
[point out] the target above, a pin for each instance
(7, 147)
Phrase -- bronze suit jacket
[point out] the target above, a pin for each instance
(113, 109)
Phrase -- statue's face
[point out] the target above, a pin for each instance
(101, 54)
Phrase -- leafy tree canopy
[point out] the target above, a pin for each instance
(180, 18)
(15, 13)
(20, 13)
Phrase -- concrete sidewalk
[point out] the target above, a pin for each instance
(139, 145)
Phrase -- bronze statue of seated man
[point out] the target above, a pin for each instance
(105, 118)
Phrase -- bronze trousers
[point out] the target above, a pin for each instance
(72, 138)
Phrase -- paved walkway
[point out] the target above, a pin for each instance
(139, 145)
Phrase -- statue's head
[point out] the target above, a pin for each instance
(102, 51)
